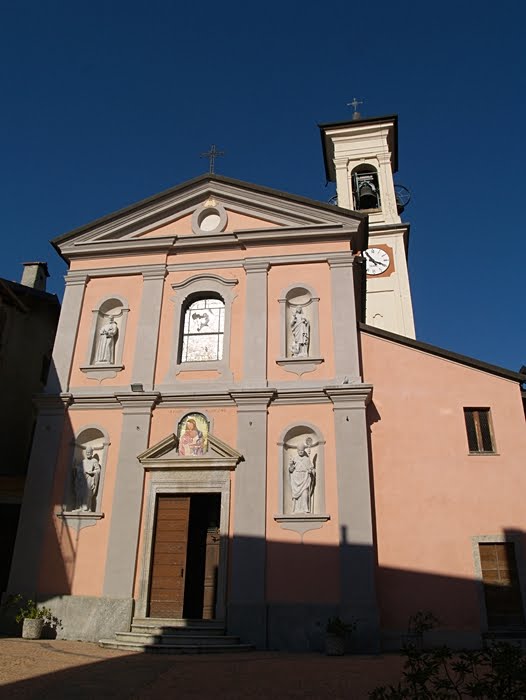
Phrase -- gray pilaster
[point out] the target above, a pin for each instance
(126, 509)
(255, 348)
(345, 330)
(148, 329)
(37, 505)
(357, 554)
(66, 336)
(246, 614)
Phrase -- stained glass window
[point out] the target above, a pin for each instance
(203, 331)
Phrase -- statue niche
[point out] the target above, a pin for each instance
(300, 478)
(300, 332)
(106, 346)
(86, 471)
(302, 471)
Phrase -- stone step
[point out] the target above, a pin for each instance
(196, 631)
(175, 648)
(177, 622)
(187, 637)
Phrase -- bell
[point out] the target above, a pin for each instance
(368, 198)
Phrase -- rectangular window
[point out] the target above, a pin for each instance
(501, 585)
(479, 430)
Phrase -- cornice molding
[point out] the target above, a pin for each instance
(90, 249)
(225, 281)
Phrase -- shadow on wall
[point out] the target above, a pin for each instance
(304, 589)
(304, 583)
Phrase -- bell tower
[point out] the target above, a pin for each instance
(361, 156)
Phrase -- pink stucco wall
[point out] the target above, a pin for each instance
(73, 562)
(311, 561)
(430, 496)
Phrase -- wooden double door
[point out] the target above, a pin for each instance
(185, 562)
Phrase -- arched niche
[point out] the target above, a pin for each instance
(301, 478)
(300, 332)
(86, 476)
(106, 342)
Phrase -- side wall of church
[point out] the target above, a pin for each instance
(433, 501)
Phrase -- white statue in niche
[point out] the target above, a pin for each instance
(300, 328)
(302, 472)
(86, 476)
(106, 346)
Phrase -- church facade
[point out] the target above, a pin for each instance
(240, 426)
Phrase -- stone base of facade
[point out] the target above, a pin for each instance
(298, 627)
(88, 619)
(295, 627)
(248, 621)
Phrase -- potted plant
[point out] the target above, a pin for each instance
(422, 621)
(336, 632)
(33, 619)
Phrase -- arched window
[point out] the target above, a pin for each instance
(203, 330)
(365, 187)
(202, 321)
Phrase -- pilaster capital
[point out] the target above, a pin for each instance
(138, 403)
(256, 265)
(76, 277)
(346, 260)
(341, 162)
(154, 272)
(52, 403)
(253, 399)
(350, 396)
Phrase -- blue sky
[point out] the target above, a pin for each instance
(105, 103)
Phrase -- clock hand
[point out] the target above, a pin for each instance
(375, 262)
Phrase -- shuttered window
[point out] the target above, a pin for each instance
(479, 430)
(501, 585)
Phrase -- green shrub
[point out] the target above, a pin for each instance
(495, 673)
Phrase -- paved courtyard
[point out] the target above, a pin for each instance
(59, 669)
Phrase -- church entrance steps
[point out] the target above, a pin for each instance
(167, 636)
(175, 638)
(159, 625)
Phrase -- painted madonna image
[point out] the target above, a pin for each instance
(193, 435)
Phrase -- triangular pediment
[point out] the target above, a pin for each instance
(164, 455)
(163, 222)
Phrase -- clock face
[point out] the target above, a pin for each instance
(376, 261)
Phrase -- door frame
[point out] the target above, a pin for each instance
(184, 482)
(512, 537)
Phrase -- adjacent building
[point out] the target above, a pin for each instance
(28, 321)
